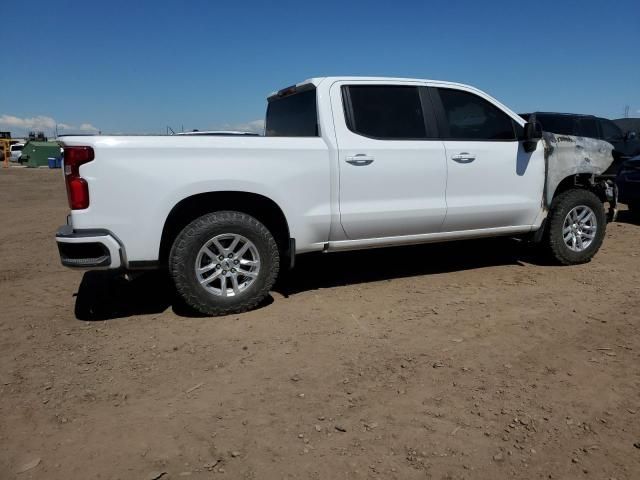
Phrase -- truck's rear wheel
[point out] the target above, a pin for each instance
(575, 227)
(224, 262)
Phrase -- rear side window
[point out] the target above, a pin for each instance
(469, 117)
(558, 124)
(294, 115)
(389, 112)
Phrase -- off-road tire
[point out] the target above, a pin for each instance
(560, 207)
(187, 244)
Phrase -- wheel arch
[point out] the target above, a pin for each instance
(580, 180)
(262, 208)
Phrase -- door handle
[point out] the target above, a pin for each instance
(360, 160)
(464, 157)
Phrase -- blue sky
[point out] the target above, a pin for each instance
(138, 66)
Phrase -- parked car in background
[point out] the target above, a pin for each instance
(629, 125)
(628, 182)
(16, 151)
(625, 145)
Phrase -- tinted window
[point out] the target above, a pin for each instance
(610, 130)
(16, 148)
(588, 127)
(293, 115)
(470, 117)
(558, 124)
(387, 112)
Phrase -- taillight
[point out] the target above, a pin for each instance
(77, 187)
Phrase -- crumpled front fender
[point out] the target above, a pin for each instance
(566, 155)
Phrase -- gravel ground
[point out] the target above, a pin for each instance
(472, 360)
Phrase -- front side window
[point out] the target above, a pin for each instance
(587, 127)
(610, 131)
(469, 117)
(293, 115)
(389, 112)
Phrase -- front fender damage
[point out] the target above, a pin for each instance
(569, 156)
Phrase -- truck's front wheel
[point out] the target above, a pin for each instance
(575, 226)
(224, 262)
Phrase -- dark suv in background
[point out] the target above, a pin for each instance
(625, 146)
(628, 182)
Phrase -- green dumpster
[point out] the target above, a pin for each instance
(36, 154)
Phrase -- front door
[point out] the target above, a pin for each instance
(492, 182)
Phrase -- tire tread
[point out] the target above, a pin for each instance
(180, 251)
(561, 205)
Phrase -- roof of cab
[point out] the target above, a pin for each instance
(316, 81)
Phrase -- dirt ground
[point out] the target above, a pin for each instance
(471, 360)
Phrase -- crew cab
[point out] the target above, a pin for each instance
(345, 163)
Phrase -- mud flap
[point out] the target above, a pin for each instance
(538, 235)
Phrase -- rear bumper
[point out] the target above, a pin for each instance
(89, 249)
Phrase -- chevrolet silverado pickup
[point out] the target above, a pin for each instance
(345, 163)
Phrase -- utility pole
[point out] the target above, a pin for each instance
(626, 111)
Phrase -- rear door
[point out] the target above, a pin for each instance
(392, 168)
(492, 182)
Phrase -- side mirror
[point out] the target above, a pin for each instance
(630, 135)
(532, 134)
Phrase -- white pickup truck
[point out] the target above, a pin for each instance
(345, 163)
